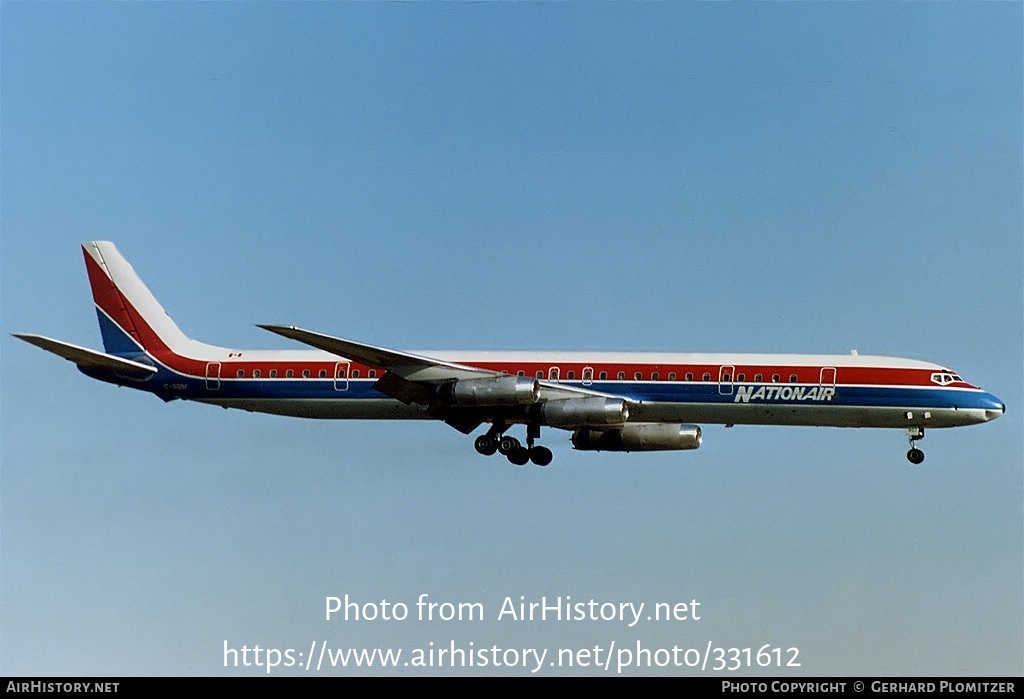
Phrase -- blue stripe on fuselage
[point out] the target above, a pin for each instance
(177, 385)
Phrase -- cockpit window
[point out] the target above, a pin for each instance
(945, 378)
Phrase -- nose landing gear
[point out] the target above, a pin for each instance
(915, 455)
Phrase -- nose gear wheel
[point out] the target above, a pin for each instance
(915, 455)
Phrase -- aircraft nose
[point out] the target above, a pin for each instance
(996, 407)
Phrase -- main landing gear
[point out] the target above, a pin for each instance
(496, 441)
(915, 455)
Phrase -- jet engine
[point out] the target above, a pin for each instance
(638, 437)
(573, 412)
(494, 391)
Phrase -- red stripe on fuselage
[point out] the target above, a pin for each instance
(120, 309)
(864, 376)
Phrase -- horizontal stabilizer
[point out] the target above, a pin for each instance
(84, 357)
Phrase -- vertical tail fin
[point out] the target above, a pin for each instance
(131, 319)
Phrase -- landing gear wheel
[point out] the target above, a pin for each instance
(915, 455)
(519, 457)
(541, 456)
(486, 445)
(508, 445)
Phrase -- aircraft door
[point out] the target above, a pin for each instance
(341, 372)
(213, 376)
(725, 378)
(828, 376)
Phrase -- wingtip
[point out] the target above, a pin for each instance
(278, 329)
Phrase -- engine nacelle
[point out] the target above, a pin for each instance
(638, 437)
(573, 412)
(499, 390)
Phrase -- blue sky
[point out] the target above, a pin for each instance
(705, 177)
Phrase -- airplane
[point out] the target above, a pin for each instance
(619, 402)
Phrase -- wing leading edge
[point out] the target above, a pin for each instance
(408, 366)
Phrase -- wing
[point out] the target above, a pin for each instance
(461, 395)
(409, 366)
